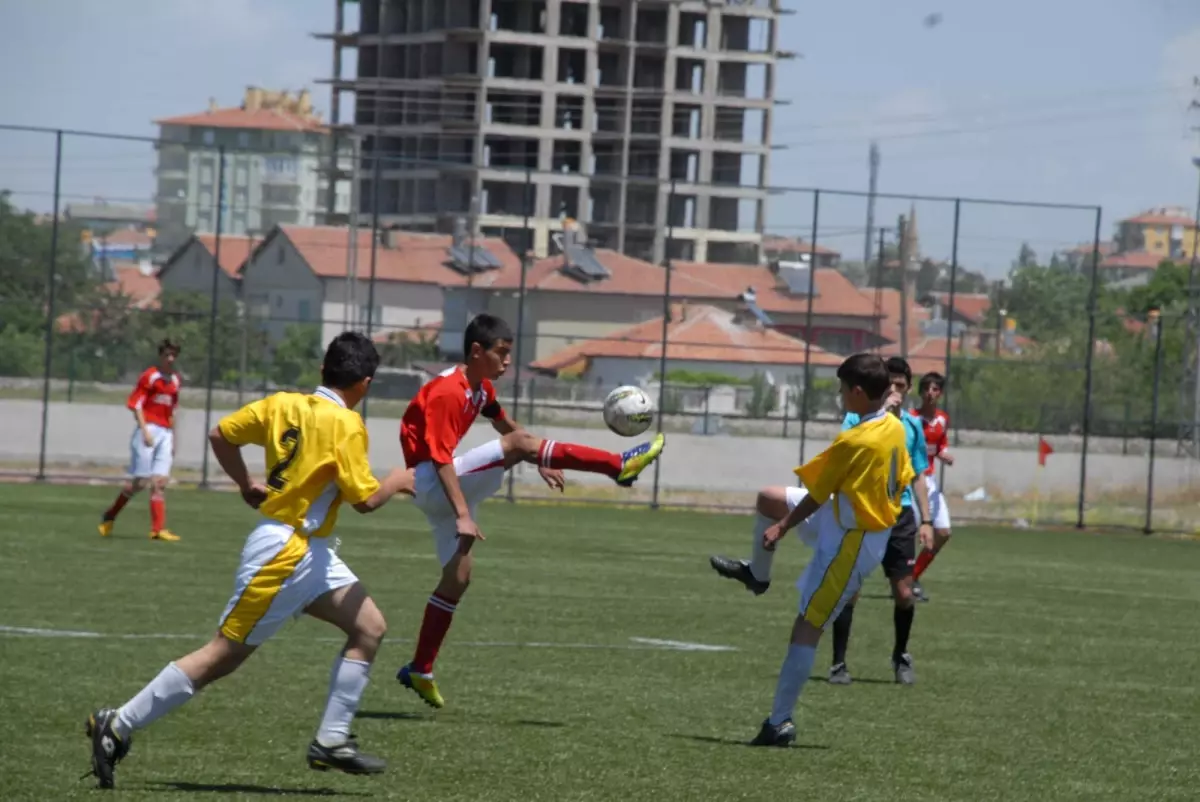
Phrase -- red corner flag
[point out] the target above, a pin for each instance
(1044, 450)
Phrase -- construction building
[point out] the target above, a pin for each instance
(603, 104)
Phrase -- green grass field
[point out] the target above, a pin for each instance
(1051, 666)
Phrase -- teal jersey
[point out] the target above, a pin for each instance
(914, 439)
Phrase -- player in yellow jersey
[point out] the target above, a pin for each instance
(850, 499)
(316, 459)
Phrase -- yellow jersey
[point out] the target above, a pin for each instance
(868, 467)
(316, 455)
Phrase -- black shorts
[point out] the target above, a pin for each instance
(901, 551)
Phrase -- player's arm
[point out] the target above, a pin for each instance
(820, 476)
(137, 399)
(245, 427)
(440, 414)
(400, 480)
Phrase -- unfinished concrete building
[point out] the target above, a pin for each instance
(604, 103)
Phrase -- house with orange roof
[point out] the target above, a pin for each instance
(277, 152)
(314, 274)
(190, 268)
(700, 338)
(582, 293)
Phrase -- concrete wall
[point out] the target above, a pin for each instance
(99, 434)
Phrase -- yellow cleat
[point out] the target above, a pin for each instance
(163, 534)
(422, 685)
(105, 528)
(639, 458)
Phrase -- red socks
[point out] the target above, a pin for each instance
(923, 561)
(158, 513)
(439, 613)
(570, 457)
(111, 513)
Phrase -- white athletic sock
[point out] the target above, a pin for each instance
(760, 558)
(347, 682)
(796, 669)
(170, 689)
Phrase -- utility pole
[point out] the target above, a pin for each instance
(872, 188)
(1189, 429)
(905, 253)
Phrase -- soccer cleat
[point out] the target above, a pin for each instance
(423, 685)
(839, 675)
(345, 758)
(107, 747)
(164, 535)
(739, 570)
(105, 528)
(904, 669)
(918, 592)
(638, 459)
(775, 734)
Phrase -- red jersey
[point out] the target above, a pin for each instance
(937, 435)
(440, 414)
(156, 395)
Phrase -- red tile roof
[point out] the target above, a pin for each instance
(260, 120)
(1139, 260)
(141, 289)
(773, 244)
(1087, 248)
(697, 333)
(1161, 217)
(973, 306)
(235, 249)
(411, 257)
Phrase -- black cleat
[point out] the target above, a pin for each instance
(918, 592)
(345, 758)
(739, 570)
(775, 734)
(107, 747)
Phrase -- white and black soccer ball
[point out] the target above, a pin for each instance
(628, 411)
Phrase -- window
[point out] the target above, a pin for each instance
(305, 309)
(375, 318)
(209, 136)
(836, 341)
(243, 139)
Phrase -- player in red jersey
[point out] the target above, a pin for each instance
(152, 447)
(937, 440)
(449, 488)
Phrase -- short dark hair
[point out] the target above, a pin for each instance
(868, 372)
(487, 330)
(898, 365)
(168, 344)
(933, 378)
(349, 359)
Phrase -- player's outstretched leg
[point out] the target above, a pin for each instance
(128, 491)
(351, 610)
(624, 468)
(755, 574)
(111, 731)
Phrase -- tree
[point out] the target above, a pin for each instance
(763, 398)
(298, 356)
(1026, 257)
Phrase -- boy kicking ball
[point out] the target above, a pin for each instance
(850, 499)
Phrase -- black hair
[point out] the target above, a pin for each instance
(868, 372)
(487, 330)
(897, 365)
(168, 344)
(349, 359)
(932, 378)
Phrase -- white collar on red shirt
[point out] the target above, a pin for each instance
(329, 395)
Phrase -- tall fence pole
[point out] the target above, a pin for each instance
(950, 317)
(516, 402)
(1158, 341)
(212, 312)
(662, 361)
(52, 281)
(376, 171)
(808, 314)
(1087, 367)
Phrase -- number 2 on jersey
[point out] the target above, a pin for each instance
(289, 441)
(893, 485)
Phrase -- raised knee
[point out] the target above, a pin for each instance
(772, 502)
(374, 628)
(522, 444)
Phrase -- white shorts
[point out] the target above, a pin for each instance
(843, 557)
(146, 461)
(938, 510)
(280, 574)
(480, 474)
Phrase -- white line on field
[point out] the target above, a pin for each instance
(636, 644)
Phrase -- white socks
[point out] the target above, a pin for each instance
(347, 682)
(170, 689)
(760, 558)
(795, 672)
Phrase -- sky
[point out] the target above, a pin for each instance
(1073, 101)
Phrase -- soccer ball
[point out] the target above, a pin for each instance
(628, 411)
